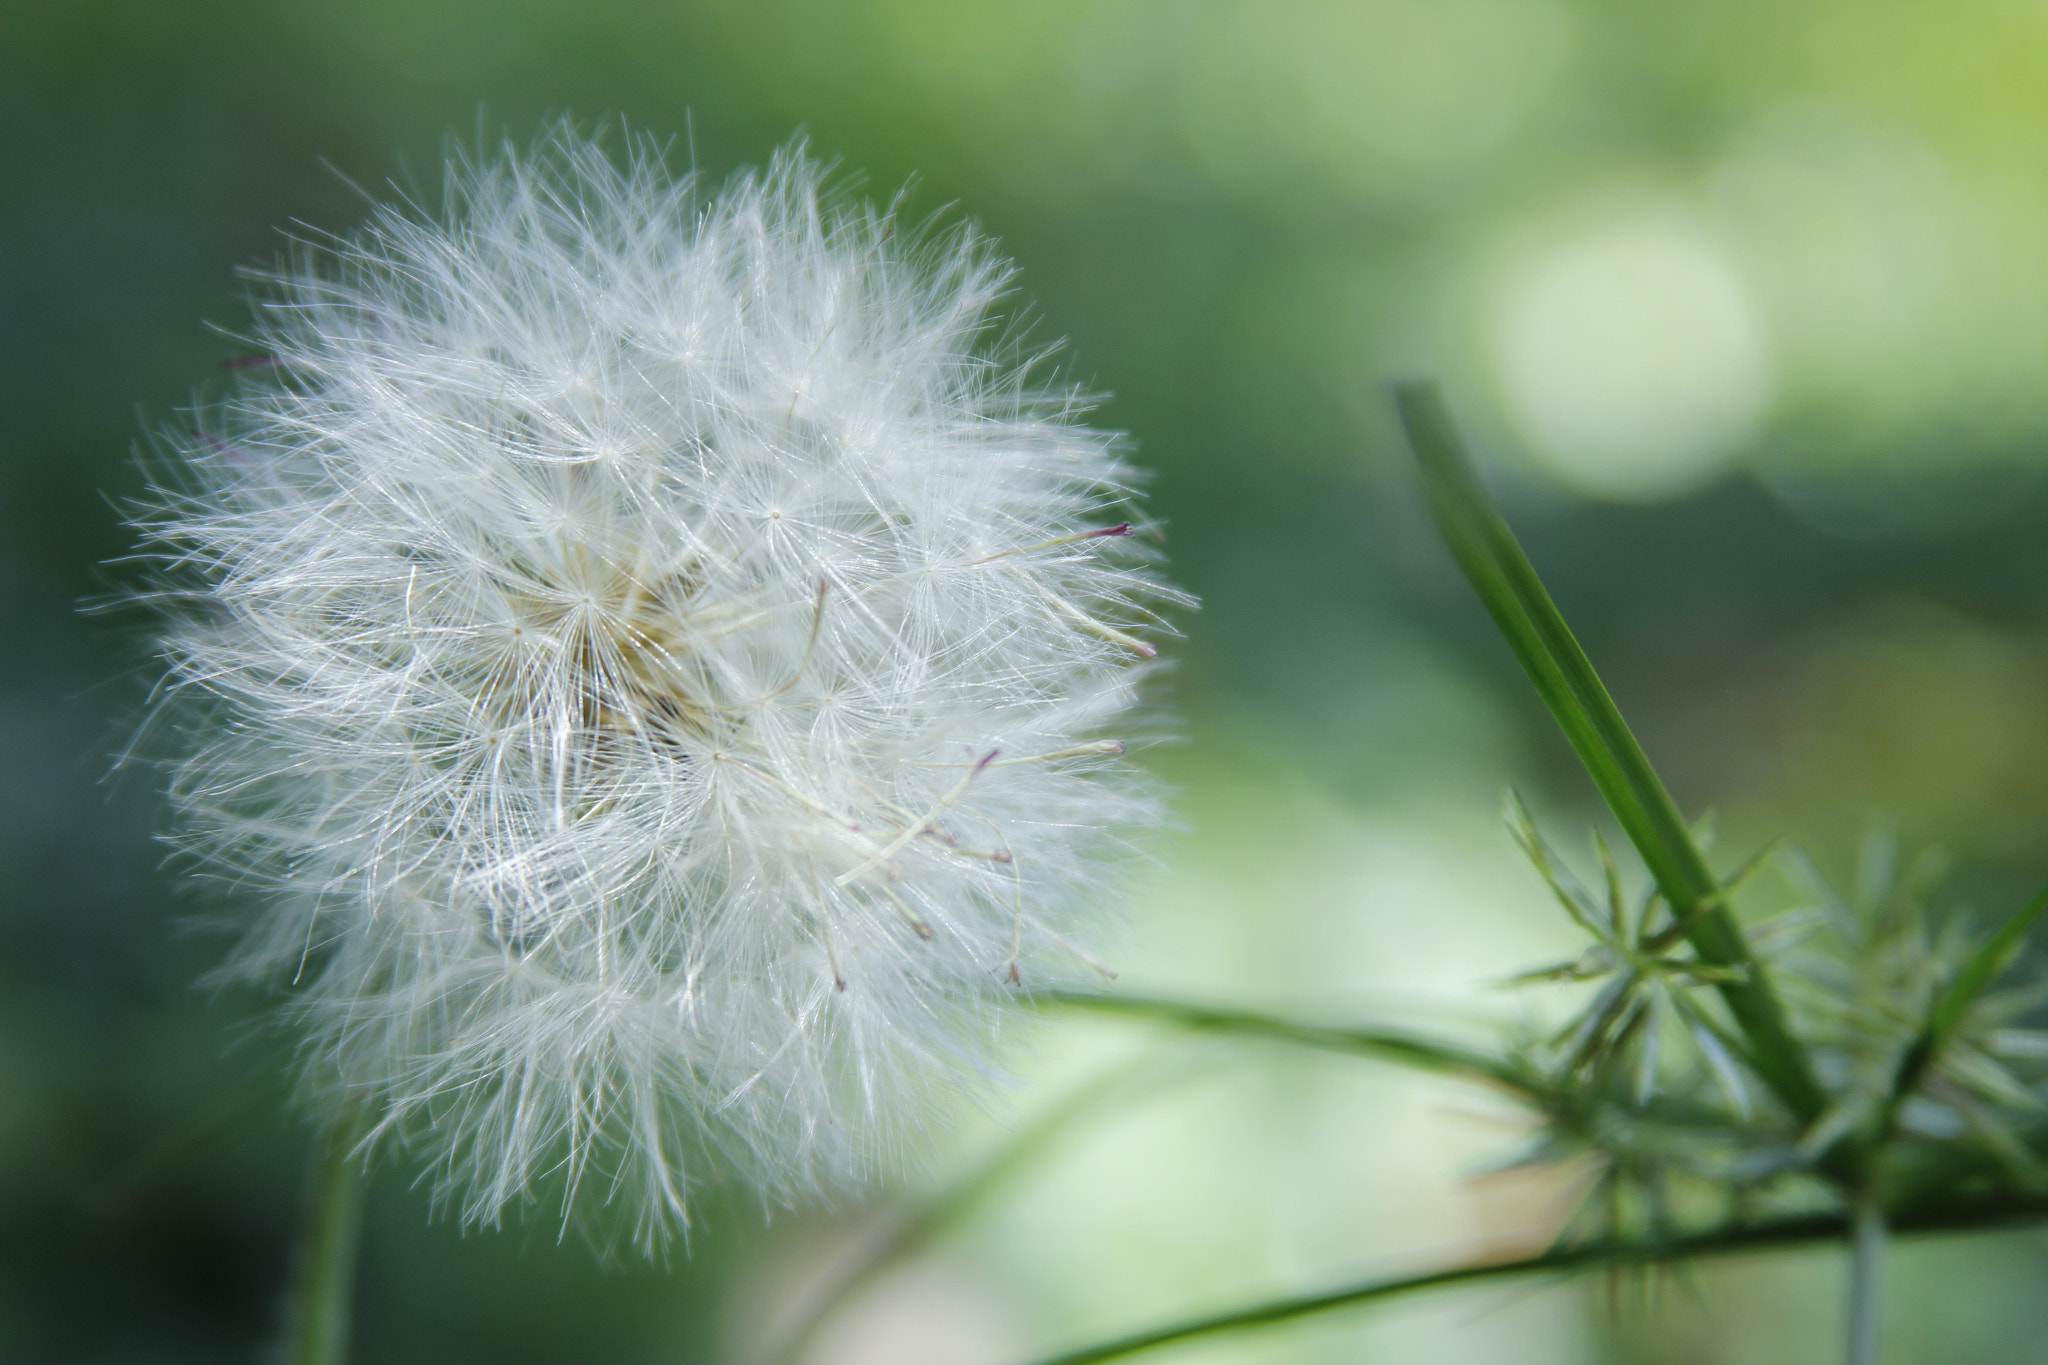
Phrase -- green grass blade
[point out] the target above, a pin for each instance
(1514, 595)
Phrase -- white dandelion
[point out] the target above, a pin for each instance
(662, 661)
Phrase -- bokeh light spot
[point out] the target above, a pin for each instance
(1630, 356)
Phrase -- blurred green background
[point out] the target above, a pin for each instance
(1746, 303)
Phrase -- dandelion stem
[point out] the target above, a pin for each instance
(323, 1289)
(1866, 1265)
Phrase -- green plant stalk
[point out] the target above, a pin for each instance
(1486, 549)
(1989, 1214)
(323, 1287)
(1405, 1049)
(1866, 1269)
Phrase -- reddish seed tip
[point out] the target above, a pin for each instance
(1116, 746)
(1001, 855)
(922, 930)
(1122, 528)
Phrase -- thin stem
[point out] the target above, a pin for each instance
(323, 1290)
(1866, 1267)
(1514, 595)
(1990, 1213)
(1391, 1045)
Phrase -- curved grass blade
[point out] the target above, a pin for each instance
(1514, 595)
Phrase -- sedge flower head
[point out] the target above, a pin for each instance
(663, 662)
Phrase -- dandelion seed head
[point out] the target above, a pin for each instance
(662, 661)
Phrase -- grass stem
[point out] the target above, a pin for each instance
(1561, 1261)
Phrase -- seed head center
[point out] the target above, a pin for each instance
(611, 651)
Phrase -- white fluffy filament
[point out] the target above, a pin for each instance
(610, 605)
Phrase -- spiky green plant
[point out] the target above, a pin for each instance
(1855, 1065)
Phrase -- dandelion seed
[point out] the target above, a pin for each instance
(613, 598)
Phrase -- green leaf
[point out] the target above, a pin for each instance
(1514, 595)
